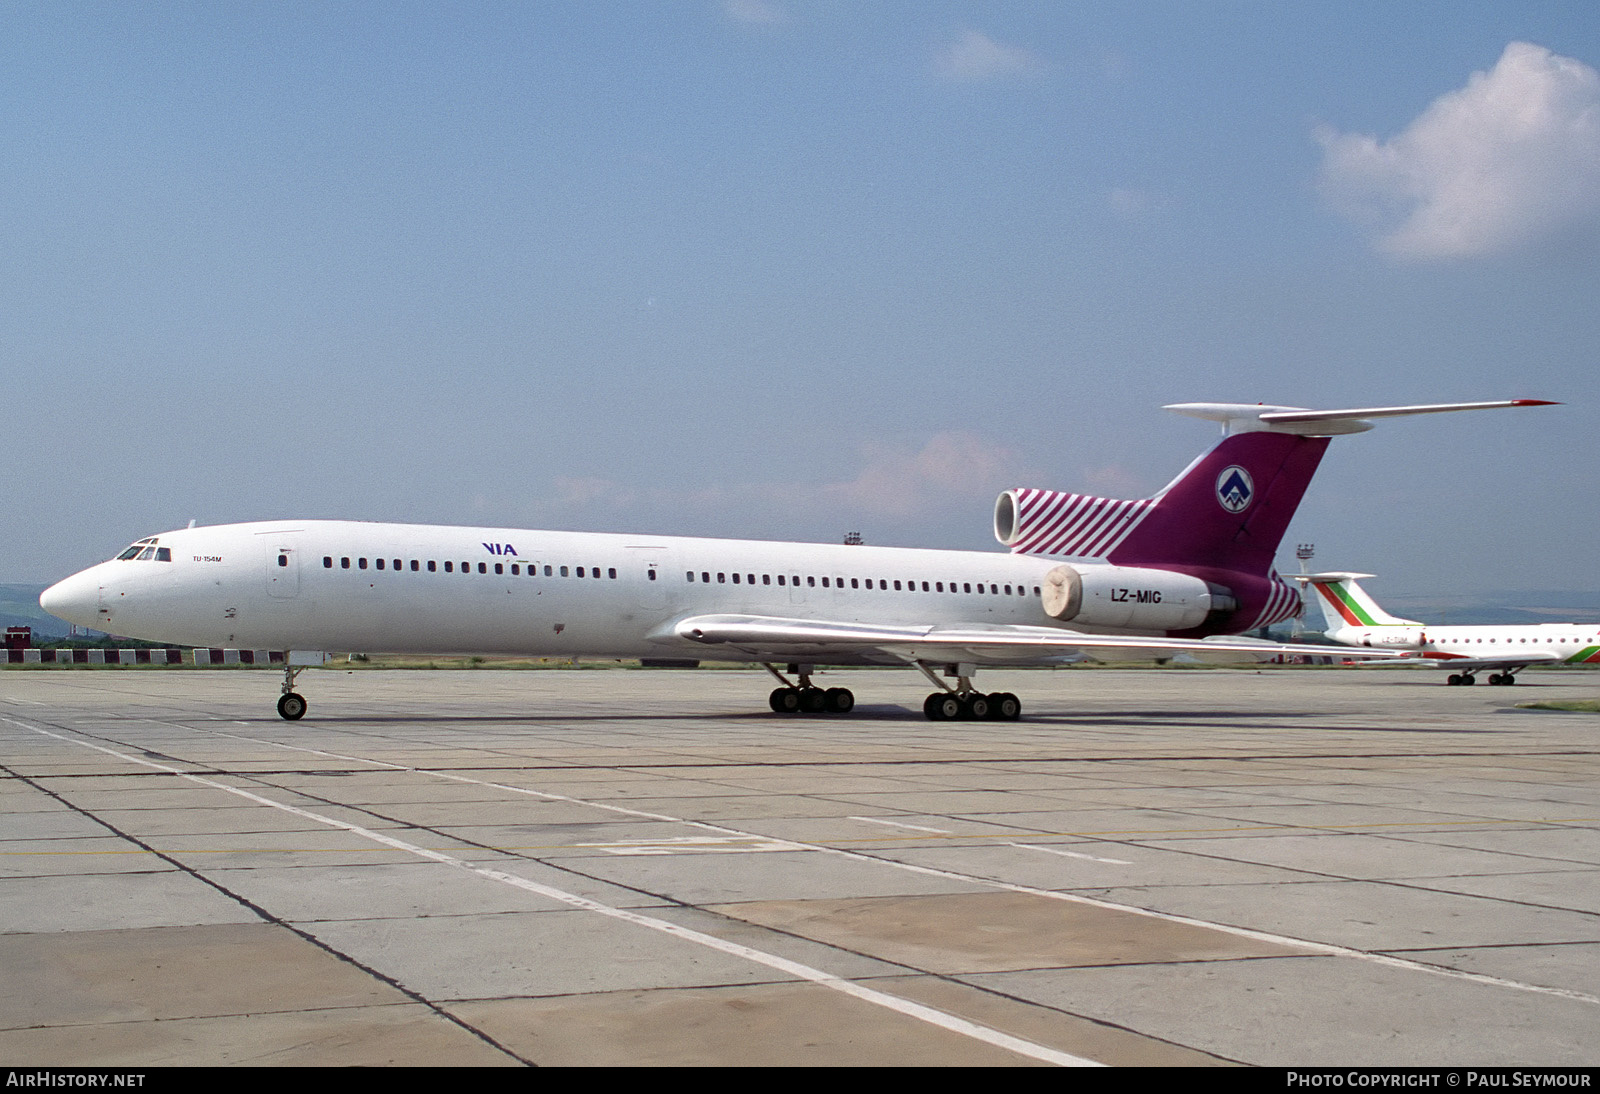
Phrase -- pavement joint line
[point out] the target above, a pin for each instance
(1325, 948)
(929, 1015)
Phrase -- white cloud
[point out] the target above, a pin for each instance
(976, 57)
(952, 468)
(952, 465)
(1508, 160)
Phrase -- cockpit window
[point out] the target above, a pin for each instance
(145, 550)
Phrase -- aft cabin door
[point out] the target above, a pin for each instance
(283, 571)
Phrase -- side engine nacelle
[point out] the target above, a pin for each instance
(1131, 597)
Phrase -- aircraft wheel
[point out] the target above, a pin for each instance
(1468, 680)
(839, 700)
(1455, 679)
(975, 708)
(291, 707)
(1508, 679)
(813, 700)
(784, 700)
(941, 706)
(1005, 707)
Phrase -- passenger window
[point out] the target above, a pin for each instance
(688, 575)
(431, 568)
(499, 567)
(483, 567)
(780, 579)
(611, 574)
(736, 579)
(449, 567)
(285, 562)
(580, 571)
(361, 563)
(705, 577)
(824, 583)
(766, 579)
(327, 562)
(397, 565)
(564, 571)
(855, 583)
(722, 578)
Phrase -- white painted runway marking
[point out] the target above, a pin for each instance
(699, 845)
(894, 1003)
(1069, 854)
(898, 824)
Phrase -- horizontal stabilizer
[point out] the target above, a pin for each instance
(1259, 417)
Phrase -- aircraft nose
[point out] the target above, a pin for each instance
(75, 599)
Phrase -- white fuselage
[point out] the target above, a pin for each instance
(1576, 642)
(404, 588)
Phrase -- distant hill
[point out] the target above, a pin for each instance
(1497, 608)
(19, 607)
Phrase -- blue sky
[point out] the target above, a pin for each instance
(787, 269)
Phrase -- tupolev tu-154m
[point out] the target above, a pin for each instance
(1085, 578)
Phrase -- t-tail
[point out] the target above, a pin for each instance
(1344, 603)
(1219, 523)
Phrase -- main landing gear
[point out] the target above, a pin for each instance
(807, 698)
(291, 704)
(964, 702)
(1502, 679)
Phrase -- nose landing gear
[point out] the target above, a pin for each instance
(291, 704)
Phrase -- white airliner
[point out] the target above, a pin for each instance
(1148, 578)
(1352, 618)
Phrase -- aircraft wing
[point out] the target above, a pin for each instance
(765, 638)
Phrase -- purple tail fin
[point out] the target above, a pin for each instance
(1222, 519)
(1228, 511)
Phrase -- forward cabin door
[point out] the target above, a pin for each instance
(283, 569)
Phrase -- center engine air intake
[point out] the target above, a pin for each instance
(1131, 597)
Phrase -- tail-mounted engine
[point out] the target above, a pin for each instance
(1132, 598)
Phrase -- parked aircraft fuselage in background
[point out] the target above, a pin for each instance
(1352, 618)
